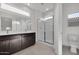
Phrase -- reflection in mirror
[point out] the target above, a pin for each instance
(73, 19)
(15, 24)
(6, 24)
(23, 25)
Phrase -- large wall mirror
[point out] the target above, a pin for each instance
(73, 22)
(73, 19)
(6, 23)
(15, 24)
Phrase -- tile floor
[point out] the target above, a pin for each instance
(38, 49)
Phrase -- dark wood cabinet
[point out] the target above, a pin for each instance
(28, 40)
(15, 43)
(12, 43)
(4, 45)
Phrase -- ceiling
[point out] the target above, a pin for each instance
(42, 7)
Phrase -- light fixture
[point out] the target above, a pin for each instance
(7, 28)
(47, 9)
(13, 9)
(74, 15)
(47, 18)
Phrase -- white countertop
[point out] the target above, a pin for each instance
(1, 34)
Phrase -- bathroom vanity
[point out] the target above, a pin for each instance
(12, 43)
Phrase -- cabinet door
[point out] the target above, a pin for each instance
(28, 40)
(15, 43)
(4, 45)
(24, 41)
(31, 39)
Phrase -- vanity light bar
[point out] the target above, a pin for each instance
(13, 9)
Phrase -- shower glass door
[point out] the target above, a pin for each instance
(46, 31)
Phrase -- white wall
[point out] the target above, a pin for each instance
(58, 29)
(69, 9)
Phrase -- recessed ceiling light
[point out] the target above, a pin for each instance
(47, 9)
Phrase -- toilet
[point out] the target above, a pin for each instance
(73, 49)
(73, 41)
